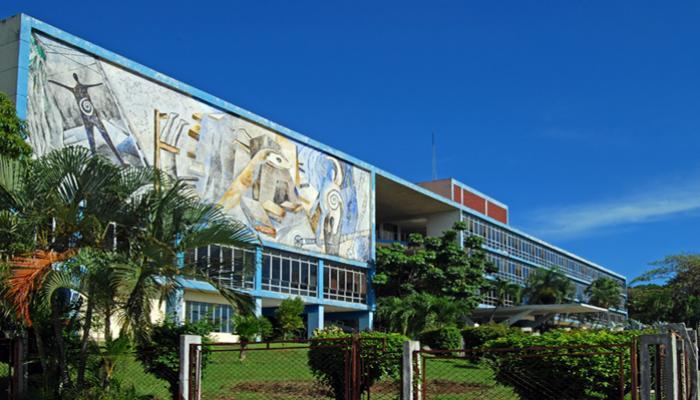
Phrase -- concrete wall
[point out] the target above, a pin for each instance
(438, 223)
(9, 55)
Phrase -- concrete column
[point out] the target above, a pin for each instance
(258, 307)
(314, 318)
(185, 342)
(366, 321)
(257, 281)
(320, 277)
(175, 306)
(408, 377)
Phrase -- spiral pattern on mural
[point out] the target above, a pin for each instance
(86, 106)
(333, 199)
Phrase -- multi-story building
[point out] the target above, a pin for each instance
(319, 212)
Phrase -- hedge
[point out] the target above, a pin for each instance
(475, 337)
(447, 338)
(575, 376)
(380, 353)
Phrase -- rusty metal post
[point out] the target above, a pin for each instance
(409, 369)
(633, 369)
(186, 373)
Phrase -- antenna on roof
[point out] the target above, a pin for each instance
(434, 159)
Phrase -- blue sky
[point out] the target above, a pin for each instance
(582, 116)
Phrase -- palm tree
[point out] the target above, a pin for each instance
(548, 286)
(505, 290)
(604, 292)
(74, 207)
(155, 229)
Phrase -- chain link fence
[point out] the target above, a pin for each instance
(553, 373)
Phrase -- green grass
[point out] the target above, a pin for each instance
(280, 374)
(460, 379)
(129, 371)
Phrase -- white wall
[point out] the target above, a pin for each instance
(440, 222)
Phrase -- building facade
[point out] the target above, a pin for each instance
(319, 213)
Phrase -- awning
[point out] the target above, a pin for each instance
(536, 314)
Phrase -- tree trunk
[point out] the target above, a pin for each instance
(64, 379)
(87, 325)
(42, 358)
(108, 323)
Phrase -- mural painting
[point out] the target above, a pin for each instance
(288, 192)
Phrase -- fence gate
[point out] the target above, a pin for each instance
(11, 368)
(335, 369)
(533, 373)
(668, 364)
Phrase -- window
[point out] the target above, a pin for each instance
(231, 266)
(499, 239)
(289, 273)
(345, 283)
(220, 315)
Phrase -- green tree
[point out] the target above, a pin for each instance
(107, 232)
(289, 317)
(13, 131)
(505, 290)
(431, 282)
(160, 352)
(670, 291)
(604, 292)
(548, 286)
(650, 303)
(250, 328)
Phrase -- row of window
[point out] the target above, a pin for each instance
(510, 270)
(289, 273)
(345, 283)
(518, 272)
(219, 315)
(232, 267)
(282, 272)
(498, 238)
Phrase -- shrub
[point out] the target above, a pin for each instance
(577, 376)
(116, 391)
(380, 354)
(289, 318)
(160, 352)
(446, 338)
(477, 336)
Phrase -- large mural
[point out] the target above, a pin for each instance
(288, 192)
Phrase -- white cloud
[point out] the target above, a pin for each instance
(589, 218)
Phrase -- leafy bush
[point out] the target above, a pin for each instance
(289, 318)
(577, 376)
(116, 391)
(447, 338)
(160, 352)
(380, 354)
(477, 336)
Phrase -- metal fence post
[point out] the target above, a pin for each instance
(671, 367)
(18, 381)
(407, 377)
(185, 342)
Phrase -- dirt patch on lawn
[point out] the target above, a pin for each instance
(307, 390)
(442, 386)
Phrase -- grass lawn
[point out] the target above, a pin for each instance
(279, 374)
(460, 379)
(283, 374)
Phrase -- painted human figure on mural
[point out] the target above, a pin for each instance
(91, 117)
